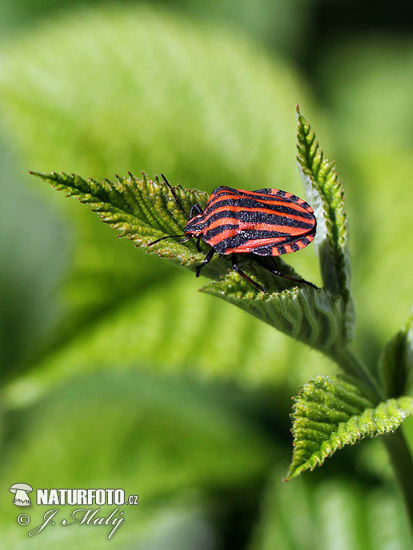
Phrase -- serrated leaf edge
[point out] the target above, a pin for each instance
(337, 262)
(373, 421)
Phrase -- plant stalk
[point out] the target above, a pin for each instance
(395, 443)
(402, 462)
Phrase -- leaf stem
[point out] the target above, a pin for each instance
(402, 462)
(364, 379)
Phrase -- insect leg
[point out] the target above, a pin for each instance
(206, 261)
(197, 243)
(283, 275)
(244, 275)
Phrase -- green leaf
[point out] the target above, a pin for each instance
(325, 194)
(306, 314)
(396, 362)
(170, 419)
(336, 513)
(141, 210)
(167, 327)
(144, 211)
(330, 413)
(161, 98)
(158, 438)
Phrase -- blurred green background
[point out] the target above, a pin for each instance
(115, 371)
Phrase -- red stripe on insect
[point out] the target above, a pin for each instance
(281, 202)
(255, 210)
(243, 226)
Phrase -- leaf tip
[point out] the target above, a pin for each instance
(38, 174)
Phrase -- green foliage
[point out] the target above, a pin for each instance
(144, 211)
(396, 363)
(28, 310)
(162, 98)
(166, 99)
(141, 210)
(370, 118)
(165, 103)
(173, 328)
(282, 27)
(326, 195)
(330, 413)
(308, 315)
(160, 423)
(156, 438)
(331, 513)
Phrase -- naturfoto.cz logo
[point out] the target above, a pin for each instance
(84, 498)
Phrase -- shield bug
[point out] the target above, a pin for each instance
(265, 222)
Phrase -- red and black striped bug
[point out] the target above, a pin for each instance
(266, 222)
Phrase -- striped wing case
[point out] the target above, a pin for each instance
(267, 222)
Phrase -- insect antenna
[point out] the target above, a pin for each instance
(177, 200)
(186, 238)
(180, 205)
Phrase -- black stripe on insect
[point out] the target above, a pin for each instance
(197, 228)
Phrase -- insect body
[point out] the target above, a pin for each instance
(266, 222)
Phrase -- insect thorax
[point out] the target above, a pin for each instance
(195, 226)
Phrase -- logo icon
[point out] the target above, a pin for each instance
(21, 497)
